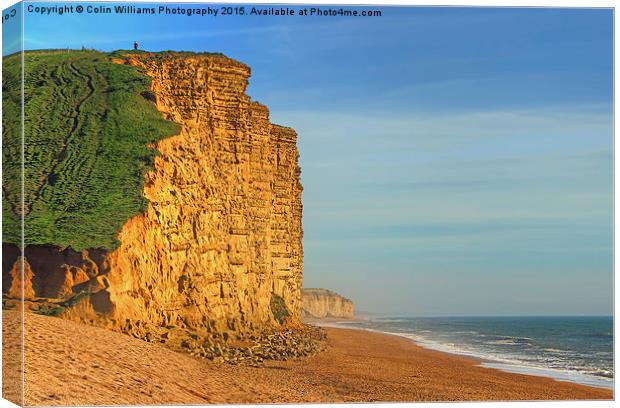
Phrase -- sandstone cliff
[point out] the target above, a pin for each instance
(320, 303)
(219, 244)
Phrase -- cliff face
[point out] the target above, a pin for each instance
(220, 240)
(222, 232)
(320, 303)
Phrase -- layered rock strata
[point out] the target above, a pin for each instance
(220, 240)
(222, 232)
(321, 303)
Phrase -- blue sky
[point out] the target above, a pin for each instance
(454, 160)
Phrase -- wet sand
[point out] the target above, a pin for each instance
(73, 364)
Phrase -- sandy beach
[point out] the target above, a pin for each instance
(73, 364)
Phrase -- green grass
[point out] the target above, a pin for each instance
(86, 131)
(56, 311)
(278, 308)
(11, 147)
(163, 54)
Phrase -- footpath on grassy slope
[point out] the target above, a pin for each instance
(87, 127)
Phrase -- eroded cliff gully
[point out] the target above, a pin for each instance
(218, 248)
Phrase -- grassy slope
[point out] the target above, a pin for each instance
(86, 133)
(11, 147)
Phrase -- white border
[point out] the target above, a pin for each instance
(478, 3)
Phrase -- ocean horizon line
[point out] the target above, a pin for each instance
(397, 316)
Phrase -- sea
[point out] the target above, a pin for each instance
(577, 349)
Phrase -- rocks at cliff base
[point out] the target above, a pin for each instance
(270, 345)
(234, 348)
(322, 303)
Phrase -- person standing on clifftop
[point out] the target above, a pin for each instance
(135, 45)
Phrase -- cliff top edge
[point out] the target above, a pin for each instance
(322, 291)
(140, 54)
